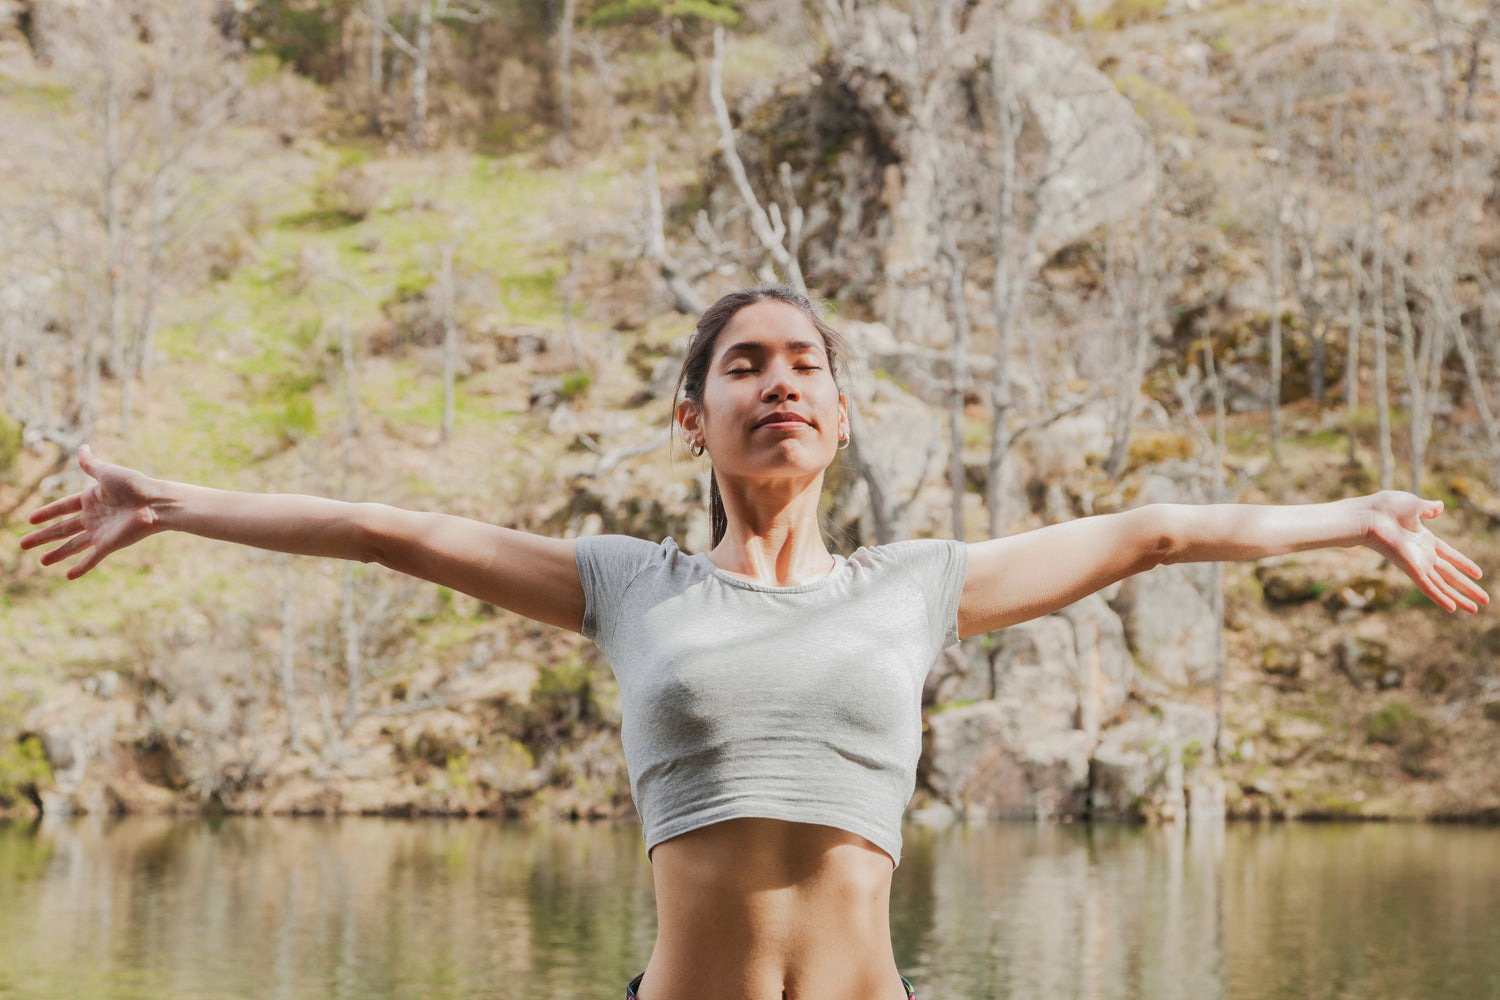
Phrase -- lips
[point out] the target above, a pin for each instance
(783, 418)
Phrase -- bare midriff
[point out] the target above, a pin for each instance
(761, 909)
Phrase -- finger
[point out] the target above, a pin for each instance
(1457, 558)
(1433, 508)
(71, 547)
(87, 462)
(1458, 598)
(1457, 583)
(93, 559)
(57, 508)
(52, 532)
(1432, 587)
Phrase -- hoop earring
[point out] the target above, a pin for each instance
(696, 450)
(844, 442)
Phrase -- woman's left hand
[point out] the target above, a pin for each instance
(1393, 526)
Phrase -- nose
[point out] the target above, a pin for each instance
(778, 385)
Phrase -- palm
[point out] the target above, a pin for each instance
(112, 512)
(1396, 530)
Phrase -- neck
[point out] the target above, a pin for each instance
(773, 536)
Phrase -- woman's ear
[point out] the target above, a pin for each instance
(691, 422)
(843, 416)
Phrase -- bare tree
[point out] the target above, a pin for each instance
(287, 674)
(781, 240)
(684, 298)
(1136, 310)
(1017, 221)
(1482, 29)
(1276, 268)
(565, 73)
(958, 379)
(374, 15)
(450, 339)
(1303, 226)
(1354, 322)
(418, 48)
(1474, 368)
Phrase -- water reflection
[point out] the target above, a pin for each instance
(306, 908)
(179, 909)
(1050, 912)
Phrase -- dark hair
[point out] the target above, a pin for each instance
(700, 354)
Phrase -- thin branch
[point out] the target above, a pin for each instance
(766, 226)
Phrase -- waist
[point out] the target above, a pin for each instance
(762, 909)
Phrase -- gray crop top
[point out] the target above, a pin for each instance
(793, 703)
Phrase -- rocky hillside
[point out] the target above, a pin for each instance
(1174, 203)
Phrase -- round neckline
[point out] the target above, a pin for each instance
(839, 563)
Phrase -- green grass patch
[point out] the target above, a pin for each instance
(1125, 13)
(1159, 106)
(1395, 724)
(23, 768)
(50, 98)
(575, 383)
(318, 220)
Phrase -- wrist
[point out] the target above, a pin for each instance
(1359, 513)
(165, 505)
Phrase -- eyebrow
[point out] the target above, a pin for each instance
(755, 346)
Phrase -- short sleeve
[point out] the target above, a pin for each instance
(606, 566)
(939, 567)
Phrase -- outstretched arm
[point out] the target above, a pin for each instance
(1024, 576)
(529, 574)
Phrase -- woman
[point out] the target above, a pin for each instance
(770, 690)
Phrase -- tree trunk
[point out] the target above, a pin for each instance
(1006, 296)
(863, 456)
(958, 383)
(1276, 265)
(1487, 417)
(1382, 369)
(114, 223)
(1351, 366)
(417, 127)
(1305, 281)
(565, 75)
(351, 400)
(289, 660)
(375, 112)
(450, 343)
(1477, 34)
(1142, 311)
(138, 353)
(1219, 495)
(354, 668)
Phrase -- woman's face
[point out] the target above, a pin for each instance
(770, 406)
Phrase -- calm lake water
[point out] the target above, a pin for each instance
(367, 909)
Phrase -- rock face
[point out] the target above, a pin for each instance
(1152, 768)
(1170, 622)
(1015, 720)
(992, 759)
(896, 125)
(1105, 669)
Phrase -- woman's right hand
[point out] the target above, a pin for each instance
(530, 574)
(112, 512)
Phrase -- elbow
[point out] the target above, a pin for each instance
(372, 538)
(1160, 542)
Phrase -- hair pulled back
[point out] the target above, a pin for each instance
(700, 354)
